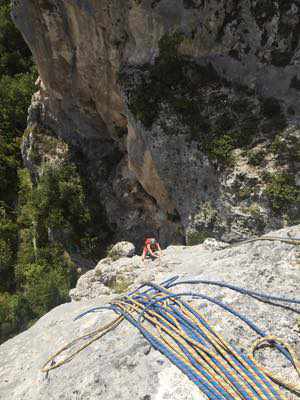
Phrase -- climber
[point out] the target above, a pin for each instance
(151, 248)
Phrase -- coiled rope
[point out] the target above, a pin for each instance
(183, 335)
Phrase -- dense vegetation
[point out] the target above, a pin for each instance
(176, 85)
(35, 272)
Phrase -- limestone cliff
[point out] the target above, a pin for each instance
(185, 112)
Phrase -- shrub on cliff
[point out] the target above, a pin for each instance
(282, 192)
(218, 114)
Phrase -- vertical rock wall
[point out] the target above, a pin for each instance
(169, 176)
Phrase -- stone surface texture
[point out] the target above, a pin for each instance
(156, 178)
(122, 365)
(122, 249)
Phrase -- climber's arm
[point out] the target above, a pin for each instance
(159, 249)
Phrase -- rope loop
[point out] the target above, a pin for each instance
(271, 340)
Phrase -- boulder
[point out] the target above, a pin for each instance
(122, 249)
(213, 244)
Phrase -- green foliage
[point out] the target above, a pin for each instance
(14, 314)
(36, 273)
(45, 285)
(256, 157)
(168, 46)
(282, 192)
(121, 285)
(17, 76)
(254, 210)
(55, 209)
(8, 248)
(286, 148)
(59, 198)
(15, 96)
(44, 273)
(221, 149)
(15, 57)
(220, 115)
(9, 162)
(112, 253)
(196, 237)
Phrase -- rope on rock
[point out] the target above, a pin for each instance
(258, 295)
(183, 335)
(274, 341)
(96, 334)
(288, 240)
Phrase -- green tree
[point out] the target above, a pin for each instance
(15, 57)
(15, 96)
(8, 247)
(17, 77)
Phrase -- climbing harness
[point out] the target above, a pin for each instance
(176, 329)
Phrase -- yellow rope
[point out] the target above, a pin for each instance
(101, 332)
(174, 337)
(271, 340)
(179, 335)
(224, 349)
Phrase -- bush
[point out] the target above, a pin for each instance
(282, 192)
(8, 249)
(15, 313)
(45, 286)
(256, 157)
(15, 56)
(196, 237)
(15, 97)
(60, 192)
(221, 149)
(10, 160)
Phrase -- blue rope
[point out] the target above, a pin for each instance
(145, 295)
(204, 386)
(92, 310)
(225, 307)
(203, 337)
(162, 348)
(237, 289)
(194, 333)
(165, 283)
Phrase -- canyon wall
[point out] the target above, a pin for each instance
(184, 113)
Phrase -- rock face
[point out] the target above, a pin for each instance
(177, 107)
(121, 365)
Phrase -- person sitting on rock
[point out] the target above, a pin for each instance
(151, 248)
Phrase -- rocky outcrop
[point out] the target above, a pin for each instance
(116, 273)
(121, 365)
(177, 109)
(122, 249)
